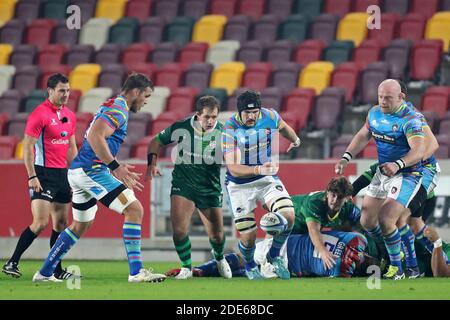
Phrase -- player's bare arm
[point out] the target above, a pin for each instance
(233, 159)
(414, 155)
(28, 157)
(317, 240)
(357, 144)
(290, 134)
(152, 159)
(431, 143)
(97, 140)
(438, 264)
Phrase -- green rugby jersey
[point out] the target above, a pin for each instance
(314, 207)
(199, 156)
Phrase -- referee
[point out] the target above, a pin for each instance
(49, 146)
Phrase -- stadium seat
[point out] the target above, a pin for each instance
(251, 8)
(209, 29)
(124, 32)
(166, 9)
(23, 55)
(39, 32)
(193, 52)
(11, 100)
(180, 30)
(266, 28)
(257, 76)
(83, 121)
(152, 30)
(425, 8)
(157, 103)
(182, 100)
(163, 53)
(5, 52)
(4, 118)
(444, 126)
(272, 98)
(316, 75)
(310, 8)
(285, 75)
(397, 56)
(432, 119)
(136, 53)
(396, 6)
(87, 9)
(147, 69)
(7, 147)
(370, 151)
(339, 146)
(220, 94)
(436, 99)
(112, 76)
(338, 52)
(337, 7)
(438, 27)
(352, 122)
(27, 10)
(79, 54)
(385, 35)
(48, 70)
(280, 8)
(109, 53)
(294, 28)
(328, 108)
(346, 76)
(226, 8)
(35, 98)
(445, 5)
(279, 52)
(223, 51)
(138, 126)
(139, 9)
(169, 75)
(6, 75)
(412, 27)
(65, 36)
(84, 77)
(194, 8)
(232, 100)
(55, 9)
(140, 148)
(237, 28)
(17, 123)
(7, 8)
(291, 119)
(110, 9)
(425, 59)
(51, 54)
(74, 99)
(324, 27)
(26, 78)
(95, 32)
(309, 51)
(371, 78)
(353, 27)
(12, 32)
(93, 99)
(362, 5)
(198, 76)
(369, 51)
(159, 125)
(228, 76)
(250, 52)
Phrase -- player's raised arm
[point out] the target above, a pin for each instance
(290, 134)
(357, 144)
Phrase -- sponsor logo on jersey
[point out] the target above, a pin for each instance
(212, 144)
(374, 123)
(383, 138)
(53, 123)
(395, 127)
(239, 210)
(278, 187)
(64, 134)
(384, 121)
(60, 141)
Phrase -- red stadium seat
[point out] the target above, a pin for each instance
(425, 59)
(182, 100)
(227, 8)
(39, 32)
(436, 99)
(346, 76)
(140, 9)
(83, 121)
(425, 8)
(370, 151)
(147, 69)
(257, 75)
(300, 101)
(369, 51)
(362, 5)
(136, 53)
(74, 99)
(412, 27)
(140, 149)
(309, 51)
(193, 52)
(160, 123)
(385, 35)
(7, 147)
(4, 118)
(252, 8)
(48, 70)
(51, 54)
(338, 7)
(169, 75)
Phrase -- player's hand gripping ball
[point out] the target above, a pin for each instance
(273, 223)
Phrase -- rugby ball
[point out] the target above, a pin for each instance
(273, 223)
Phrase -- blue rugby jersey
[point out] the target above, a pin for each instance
(114, 113)
(255, 143)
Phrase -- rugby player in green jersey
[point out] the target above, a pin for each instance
(195, 180)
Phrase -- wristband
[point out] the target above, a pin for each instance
(297, 142)
(113, 165)
(31, 178)
(150, 158)
(400, 163)
(437, 243)
(347, 156)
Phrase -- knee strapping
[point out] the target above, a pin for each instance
(246, 223)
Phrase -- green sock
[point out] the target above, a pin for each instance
(218, 248)
(183, 248)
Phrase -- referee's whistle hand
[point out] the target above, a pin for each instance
(35, 185)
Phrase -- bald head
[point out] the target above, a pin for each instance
(390, 95)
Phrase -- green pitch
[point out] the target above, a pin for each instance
(108, 280)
